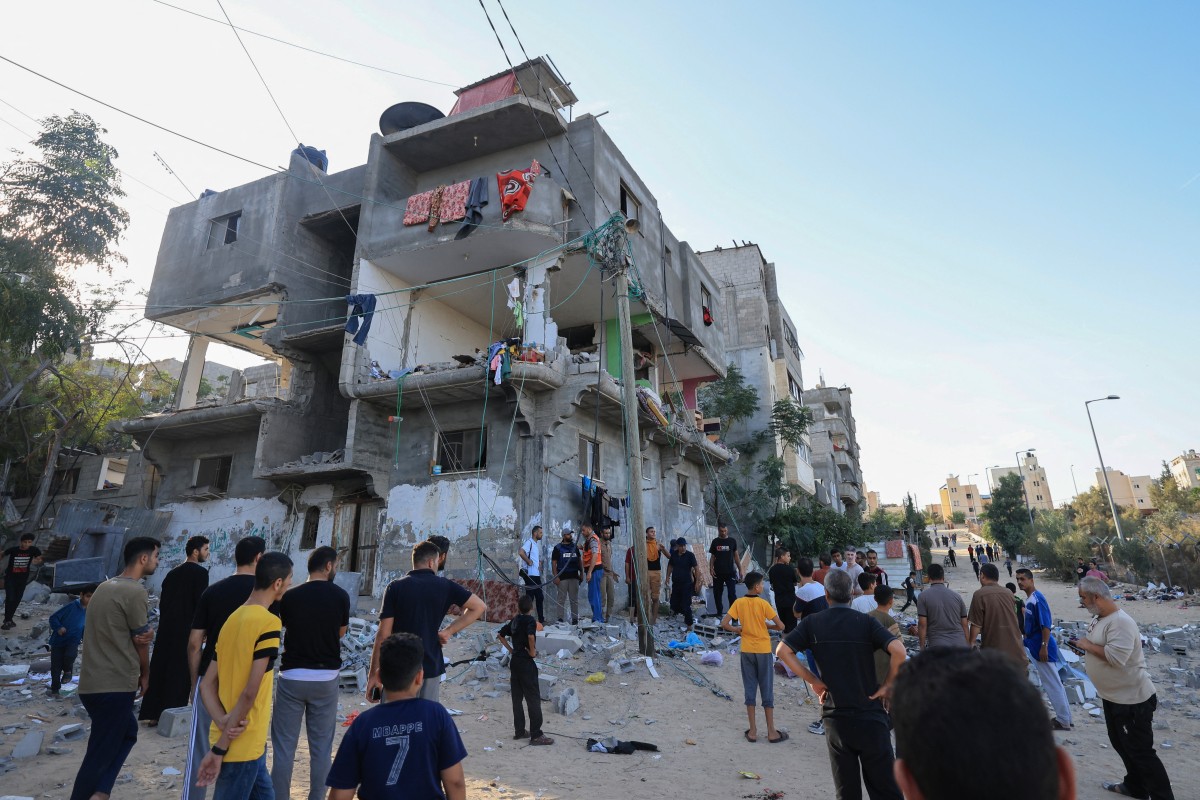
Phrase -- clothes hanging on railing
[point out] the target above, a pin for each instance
(515, 186)
(364, 306)
(477, 198)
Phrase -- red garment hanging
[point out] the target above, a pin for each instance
(515, 186)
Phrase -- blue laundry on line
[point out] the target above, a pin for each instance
(364, 306)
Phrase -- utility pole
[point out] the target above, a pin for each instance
(633, 449)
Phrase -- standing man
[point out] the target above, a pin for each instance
(843, 643)
(115, 669)
(178, 599)
(885, 598)
(1008, 565)
(531, 556)
(838, 563)
(782, 576)
(567, 563)
(724, 566)
(654, 561)
(236, 689)
(881, 576)
(315, 616)
(443, 546)
(953, 560)
(684, 579)
(854, 569)
(992, 617)
(910, 591)
(941, 614)
(216, 604)
(1080, 570)
(417, 604)
(21, 560)
(820, 572)
(1043, 649)
(1117, 666)
(593, 569)
(608, 589)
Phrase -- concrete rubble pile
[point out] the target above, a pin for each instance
(357, 645)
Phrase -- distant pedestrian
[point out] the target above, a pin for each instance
(970, 552)
(1018, 606)
(608, 589)
(724, 566)
(178, 599)
(938, 745)
(855, 722)
(523, 672)
(910, 591)
(422, 731)
(1042, 648)
(115, 669)
(237, 689)
(756, 618)
(66, 634)
(417, 604)
(782, 577)
(531, 573)
(991, 617)
(1008, 565)
(1117, 667)
(953, 560)
(654, 565)
(1080, 570)
(975, 566)
(21, 561)
(567, 562)
(684, 576)
(941, 613)
(1094, 571)
(315, 616)
(990, 553)
(593, 570)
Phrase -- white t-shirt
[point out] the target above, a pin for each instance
(854, 571)
(533, 549)
(866, 604)
(810, 591)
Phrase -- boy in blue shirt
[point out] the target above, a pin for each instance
(66, 632)
(405, 746)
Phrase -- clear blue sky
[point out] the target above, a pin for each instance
(982, 215)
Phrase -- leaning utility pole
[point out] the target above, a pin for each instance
(633, 448)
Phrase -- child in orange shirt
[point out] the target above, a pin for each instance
(756, 618)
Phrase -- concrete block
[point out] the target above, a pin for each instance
(59, 599)
(73, 573)
(353, 679)
(1075, 694)
(481, 671)
(546, 685)
(70, 733)
(502, 687)
(568, 702)
(29, 746)
(175, 722)
(551, 641)
(36, 593)
(40, 666)
(492, 695)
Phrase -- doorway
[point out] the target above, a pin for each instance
(355, 537)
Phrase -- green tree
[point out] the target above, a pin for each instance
(729, 399)
(1056, 543)
(1007, 518)
(1164, 492)
(809, 528)
(958, 518)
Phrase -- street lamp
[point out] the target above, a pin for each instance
(1073, 483)
(1103, 469)
(1024, 490)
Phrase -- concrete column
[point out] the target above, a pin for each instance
(193, 370)
(539, 327)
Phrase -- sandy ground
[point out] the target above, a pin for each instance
(699, 734)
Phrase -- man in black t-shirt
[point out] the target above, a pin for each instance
(843, 643)
(782, 576)
(315, 616)
(216, 604)
(684, 577)
(417, 604)
(723, 565)
(567, 562)
(526, 691)
(21, 561)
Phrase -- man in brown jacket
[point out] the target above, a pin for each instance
(992, 616)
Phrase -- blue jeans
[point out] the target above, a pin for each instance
(595, 598)
(114, 733)
(244, 780)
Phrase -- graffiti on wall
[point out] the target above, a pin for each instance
(224, 523)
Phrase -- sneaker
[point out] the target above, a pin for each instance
(817, 728)
(1058, 726)
(8, 626)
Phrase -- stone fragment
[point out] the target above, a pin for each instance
(30, 745)
(174, 722)
(568, 702)
(70, 732)
(546, 685)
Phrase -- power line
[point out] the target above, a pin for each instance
(309, 49)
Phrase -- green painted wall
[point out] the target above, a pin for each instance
(612, 342)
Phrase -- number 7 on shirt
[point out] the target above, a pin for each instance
(402, 754)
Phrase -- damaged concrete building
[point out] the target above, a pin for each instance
(374, 439)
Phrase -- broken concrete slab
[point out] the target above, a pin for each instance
(70, 732)
(546, 685)
(29, 746)
(567, 702)
(551, 640)
(174, 722)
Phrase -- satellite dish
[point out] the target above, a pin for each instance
(403, 116)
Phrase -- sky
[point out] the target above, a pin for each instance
(981, 215)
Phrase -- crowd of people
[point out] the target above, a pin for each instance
(890, 721)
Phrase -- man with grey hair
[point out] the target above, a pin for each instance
(1117, 667)
(843, 643)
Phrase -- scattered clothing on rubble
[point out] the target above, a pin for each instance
(612, 745)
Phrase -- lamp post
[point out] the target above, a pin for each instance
(1025, 489)
(1073, 483)
(1103, 469)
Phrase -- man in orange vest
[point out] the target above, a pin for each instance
(593, 571)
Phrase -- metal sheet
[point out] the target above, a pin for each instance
(76, 518)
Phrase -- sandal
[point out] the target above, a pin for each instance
(541, 740)
(749, 738)
(783, 737)
(1118, 788)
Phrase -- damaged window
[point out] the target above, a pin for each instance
(224, 230)
(589, 458)
(112, 473)
(462, 451)
(213, 473)
(312, 518)
(684, 497)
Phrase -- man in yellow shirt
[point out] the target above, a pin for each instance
(237, 693)
(756, 618)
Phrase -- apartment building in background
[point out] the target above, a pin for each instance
(959, 497)
(1128, 491)
(835, 451)
(1037, 489)
(1185, 469)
